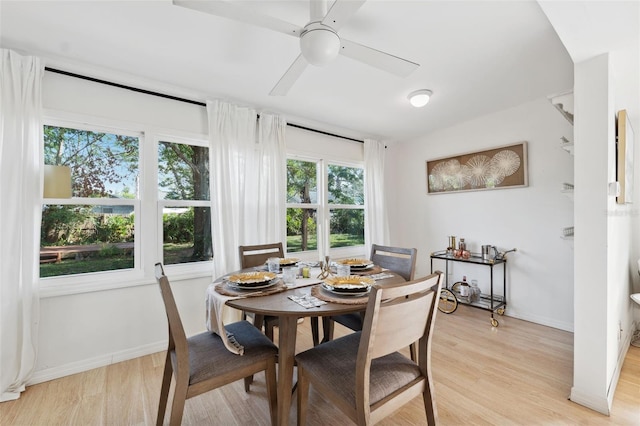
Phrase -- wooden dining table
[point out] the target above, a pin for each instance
(288, 313)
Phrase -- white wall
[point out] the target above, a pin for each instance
(604, 312)
(593, 130)
(540, 273)
(604, 44)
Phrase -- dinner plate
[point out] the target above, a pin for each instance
(348, 286)
(357, 263)
(346, 292)
(253, 287)
(252, 279)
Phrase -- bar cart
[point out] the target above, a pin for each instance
(450, 297)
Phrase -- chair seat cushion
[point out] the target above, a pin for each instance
(334, 365)
(209, 357)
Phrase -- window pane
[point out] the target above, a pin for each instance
(302, 230)
(81, 238)
(102, 164)
(302, 186)
(346, 228)
(183, 171)
(346, 185)
(186, 235)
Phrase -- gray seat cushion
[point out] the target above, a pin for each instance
(334, 364)
(209, 357)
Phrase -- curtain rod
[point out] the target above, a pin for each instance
(176, 98)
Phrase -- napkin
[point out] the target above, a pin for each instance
(216, 304)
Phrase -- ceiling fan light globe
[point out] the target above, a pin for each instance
(420, 98)
(320, 46)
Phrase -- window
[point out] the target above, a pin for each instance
(302, 205)
(346, 203)
(183, 200)
(119, 219)
(315, 192)
(95, 230)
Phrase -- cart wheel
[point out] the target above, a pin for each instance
(500, 311)
(494, 322)
(448, 302)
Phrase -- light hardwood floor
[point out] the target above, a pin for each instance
(517, 374)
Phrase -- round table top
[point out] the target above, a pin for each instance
(279, 304)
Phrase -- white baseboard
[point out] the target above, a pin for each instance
(91, 363)
(599, 404)
(540, 320)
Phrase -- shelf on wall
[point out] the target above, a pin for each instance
(566, 144)
(567, 233)
(568, 193)
(564, 104)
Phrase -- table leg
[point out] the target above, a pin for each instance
(287, 343)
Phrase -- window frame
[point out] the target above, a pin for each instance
(323, 208)
(178, 268)
(147, 239)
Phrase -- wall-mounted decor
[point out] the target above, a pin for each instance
(497, 168)
(625, 158)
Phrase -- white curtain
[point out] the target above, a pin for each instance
(20, 213)
(247, 180)
(376, 228)
(265, 220)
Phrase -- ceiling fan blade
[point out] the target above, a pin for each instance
(290, 77)
(341, 12)
(238, 13)
(375, 58)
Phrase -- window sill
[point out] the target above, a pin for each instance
(104, 281)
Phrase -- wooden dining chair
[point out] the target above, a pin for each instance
(362, 373)
(202, 363)
(256, 255)
(400, 260)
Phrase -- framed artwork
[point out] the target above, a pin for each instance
(496, 168)
(624, 156)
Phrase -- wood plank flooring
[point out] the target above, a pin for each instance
(517, 374)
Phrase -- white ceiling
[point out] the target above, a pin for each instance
(477, 56)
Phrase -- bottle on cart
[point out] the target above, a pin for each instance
(464, 288)
(474, 291)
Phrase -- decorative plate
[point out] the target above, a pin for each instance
(252, 279)
(290, 261)
(351, 285)
(356, 263)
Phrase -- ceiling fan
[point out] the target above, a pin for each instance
(319, 40)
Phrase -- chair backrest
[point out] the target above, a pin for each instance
(397, 259)
(257, 255)
(398, 315)
(177, 336)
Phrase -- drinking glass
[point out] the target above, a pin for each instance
(343, 270)
(273, 263)
(289, 274)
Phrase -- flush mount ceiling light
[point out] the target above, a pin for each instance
(320, 45)
(420, 98)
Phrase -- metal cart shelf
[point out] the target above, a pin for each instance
(449, 298)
